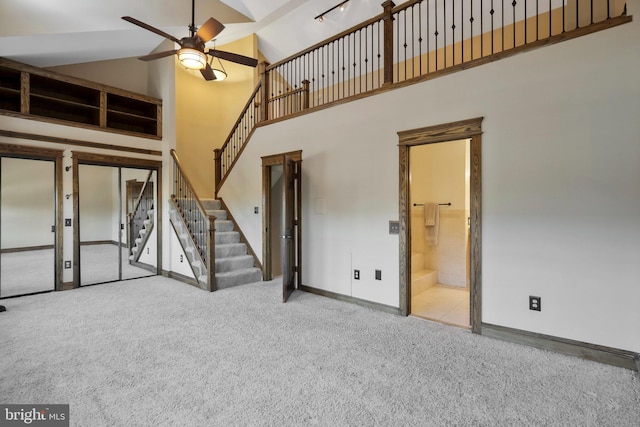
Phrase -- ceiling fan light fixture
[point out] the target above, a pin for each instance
(192, 59)
(220, 74)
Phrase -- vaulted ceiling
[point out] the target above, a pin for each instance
(48, 33)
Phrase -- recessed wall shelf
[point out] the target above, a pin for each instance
(39, 94)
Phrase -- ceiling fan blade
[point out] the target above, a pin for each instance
(158, 55)
(209, 29)
(233, 57)
(150, 28)
(207, 73)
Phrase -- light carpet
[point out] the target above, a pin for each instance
(155, 352)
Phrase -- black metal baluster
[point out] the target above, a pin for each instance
(514, 21)
(444, 28)
(420, 37)
(481, 29)
(436, 33)
(471, 30)
(492, 28)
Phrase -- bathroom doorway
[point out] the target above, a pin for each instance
(439, 195)
(440, 219)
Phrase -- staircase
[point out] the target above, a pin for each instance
(143, 236)
(233, 265)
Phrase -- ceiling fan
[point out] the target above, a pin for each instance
(192, 53)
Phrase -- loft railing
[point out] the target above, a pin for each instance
(139, 214)
(200, 225)
(417, 40)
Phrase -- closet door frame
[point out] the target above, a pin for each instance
(55, 156)
(84, 158)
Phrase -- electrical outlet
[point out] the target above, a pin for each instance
(378, 274)
(394, 227)
(67, 222)
(67, 264)
(356, 274)
(535, 303)
(256, 210)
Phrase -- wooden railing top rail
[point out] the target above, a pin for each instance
(244, 109)
(406, 44)
(325, 42)
(186, 178)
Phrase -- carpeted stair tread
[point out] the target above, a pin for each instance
(211, 204)
(224, 265)
(230, 250)
(224, 237)
(223, 225)
(238, 277)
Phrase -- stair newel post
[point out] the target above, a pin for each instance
(211, 253)
(264, 91)
(217, 170)
(130, 237)
(305, 94)
(388, 41)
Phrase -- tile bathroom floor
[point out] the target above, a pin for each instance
(444, 304)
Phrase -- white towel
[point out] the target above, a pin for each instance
(431, 219)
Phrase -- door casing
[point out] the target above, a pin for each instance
(56, 156)
(267, 162)
(115, 161)
(465, 129)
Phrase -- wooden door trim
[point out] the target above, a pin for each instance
(56, 156)
(465, 129)
(267, 162)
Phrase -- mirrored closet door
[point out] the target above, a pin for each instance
(117, 222)
(28, 218)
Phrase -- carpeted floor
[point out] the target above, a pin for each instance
(99, 264)
(26, 272)
(155, 352)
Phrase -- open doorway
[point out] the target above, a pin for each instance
(281, 217)
(440, 223)
(439, 187)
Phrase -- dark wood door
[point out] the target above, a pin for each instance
(288, 241)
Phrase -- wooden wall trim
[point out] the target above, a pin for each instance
(277, 159)
(404, 238)
(109, 160)
(25, 151)
(76, 142)
(350, 299)
(462, 129)
(597, 353)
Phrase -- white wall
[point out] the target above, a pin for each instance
(561, 185)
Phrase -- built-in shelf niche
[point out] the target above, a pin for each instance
(10, 89)
(38, 94)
